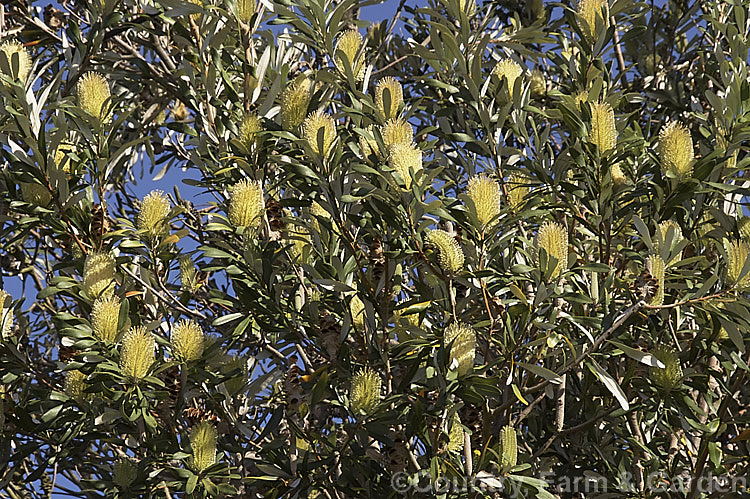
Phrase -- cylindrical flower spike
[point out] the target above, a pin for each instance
(35, 194)
(463, 348)
(294, 103)
(75, 384)
(508, 447)
(246, 204)
(389, 96)
(11, 48)
(668, 378)
(517, 191)
(743, 226)
(245, 10)
(451, 256)
(105, 315)
(349, 43)
(455, 435)
(664, 228)
(589, 14)
(676, 150)
(249, 132)
(93, 93)
(538, 84)
(357, 308)
(618, 176)
(319, 130)
(152, 217)
(124, 473)
(553, 238)
(484, 192)
(738, 252)
(137, 353)
(6, 314)
(364, 395)
(406, 159)
(509, 71)
(99, 274)
(188, 273)
(187, 341)
(203, 446)
(656, 267)
(603, 131)
(397, 131)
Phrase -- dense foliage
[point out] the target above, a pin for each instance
(503, 242)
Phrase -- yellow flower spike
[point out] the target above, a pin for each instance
(357, 309)
(62, 161)
(463, 350)
(538, 84)
(738, 252)
(508, 447)
(11, 47)
(93, 92)
(397, 131)
(455, 435)
(249, 132)
(656, 267)
(188, 273)
(137, 353)
(124, 473)
(75, 383)
(451, 256)
(152, 216)
(203, 446)
(668, 378)
(105, 315)
(6, 314)
(603, 132)
(364, 395)
(318, 212)
(676, 237)
(510, 71)
(294, 103)
(395, 93)
(99, 274)
(553, 238)
(676, 150)
(236, 384)
(589, 13)
(406, 159)
(245, 10)
(319, 130)
(187, 341)
(246, 204)
(368, 145)
(349, 43)
(517, 191)
(743, 225)
(35, 194)
(618, 176)
(484, 192)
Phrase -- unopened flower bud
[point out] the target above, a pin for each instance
(743, 225)
(484, 193)
(11, 49)
(75, 384)
(99, 274)
(93, 93)
(455, 435)
(676, 150)
(246, 204)
(462, 340)
(668, 378)
(553, 239)
(406, 159)
(294, 103)
(6, 314)
(36, 194)
(451, 256)
(62, 161)
(664, 229)
(603, 131)
(137, 353)
(105, 315)
(517, 191)
(364, 395)
(350, 43)
(589, 14)
(357, 309)
(153, 214)
(737, 253)
(656, 267)
(187, 341)
(508, 448)
(249, 132)
(538, 84)
(389, 96)
(188, 273)
(618, 176)
(124, 473)
(245, 10)
(319, 130)
(203, 446)
(238, 382)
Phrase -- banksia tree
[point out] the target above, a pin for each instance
(246, 204)
(450, 254)
(99, 274)
(93, 96)
(364, 395)
(153, 216)
(350, 44)
(13, 50)
(462, 340)
(553, 239)
(676, 150)
(202, 446)
(105, 315)
(294, 103)
(389, 96)
(187, 341)
(603, 131)
(485, 195)
(319, 130)
(137, 353)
